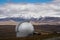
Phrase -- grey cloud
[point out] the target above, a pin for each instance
(31, 10)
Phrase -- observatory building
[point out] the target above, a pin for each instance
(24, 29)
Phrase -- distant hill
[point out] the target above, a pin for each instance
(10, 22)
(41, 19)
(50, 19)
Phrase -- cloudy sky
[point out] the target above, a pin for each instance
(29, 8)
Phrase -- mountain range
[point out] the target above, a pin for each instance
(41, 19)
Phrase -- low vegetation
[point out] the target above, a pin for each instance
(43, 34)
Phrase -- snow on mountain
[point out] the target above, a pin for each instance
(30, 11)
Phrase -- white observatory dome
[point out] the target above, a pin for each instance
(24, 29)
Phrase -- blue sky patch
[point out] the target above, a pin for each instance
(25, 1)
